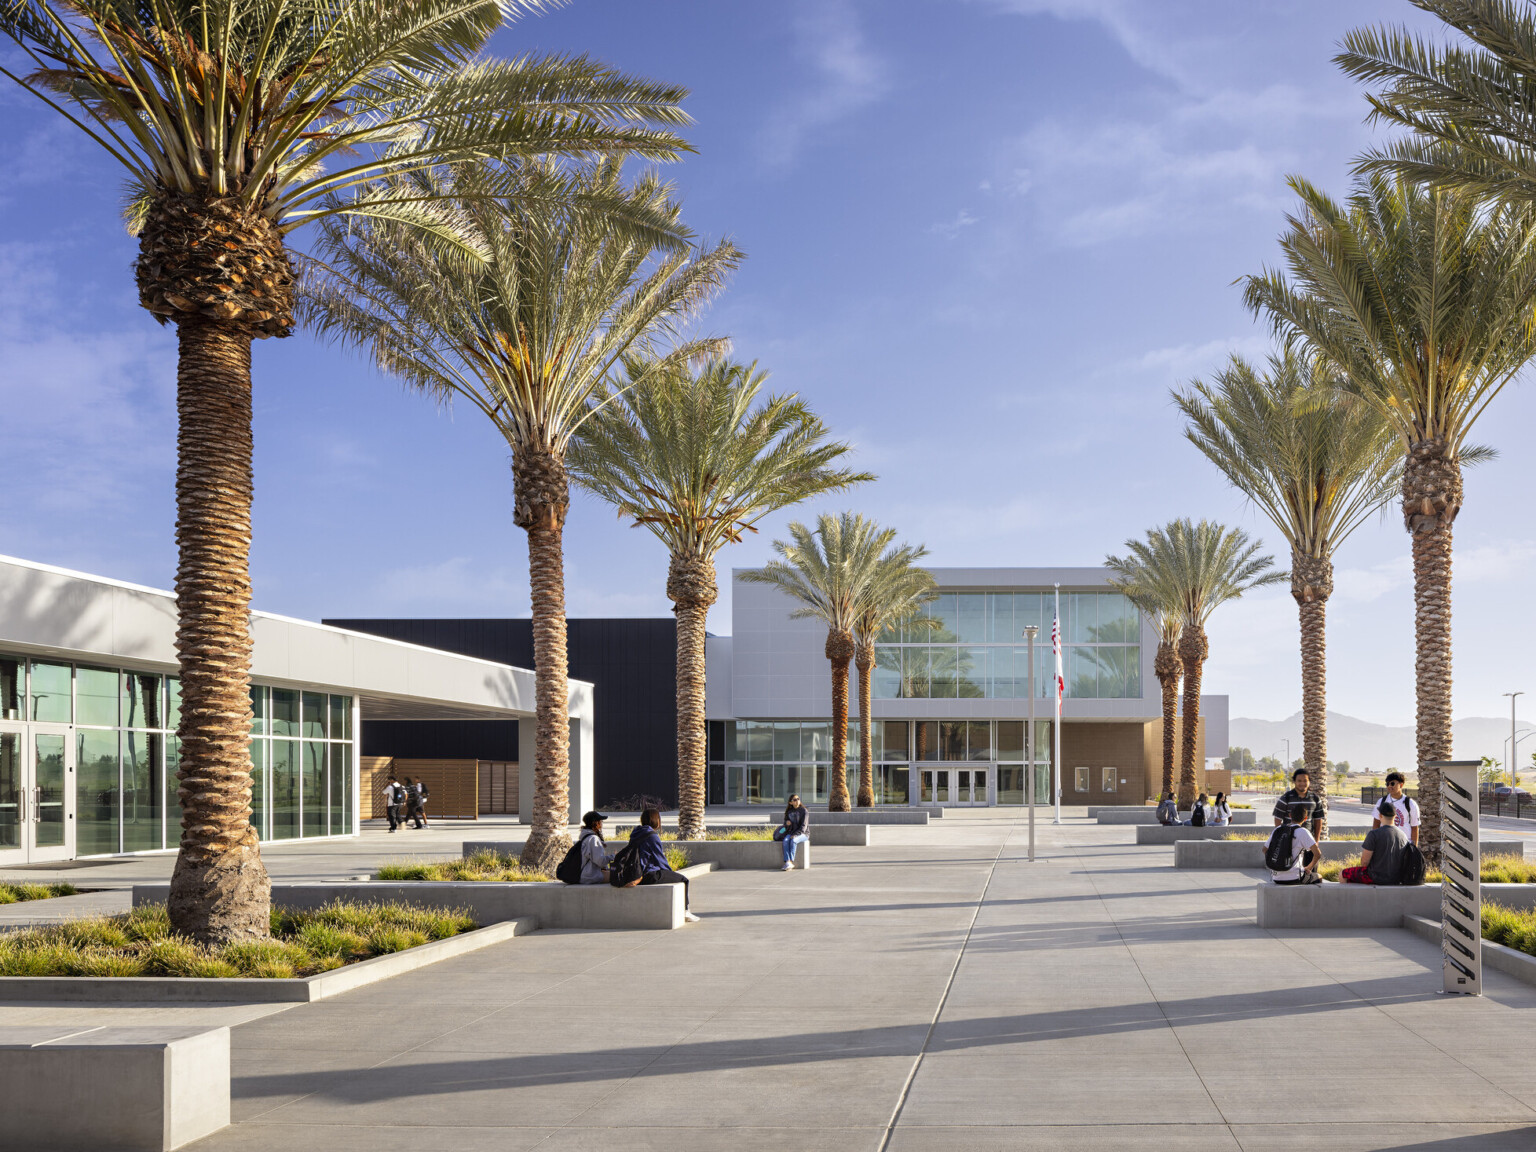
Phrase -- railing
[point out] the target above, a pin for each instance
(1371, 794)
(1514, 805)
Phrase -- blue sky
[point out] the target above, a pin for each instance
(985, 237)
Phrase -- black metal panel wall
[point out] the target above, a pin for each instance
(632, 665)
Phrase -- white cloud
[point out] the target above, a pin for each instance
(949, 229)
(1179, 364)
(848, 76)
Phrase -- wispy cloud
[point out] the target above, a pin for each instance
(847, 76)
(949, 229)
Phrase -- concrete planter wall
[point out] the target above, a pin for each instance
(1362, 906)
(877, 816)
(1499, 957)
(1250, 854)
(1149, 816)
(732, 854)
(1157, 834)
(550, 904)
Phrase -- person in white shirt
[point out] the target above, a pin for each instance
(1221, 811)
(1407, 817)
(1304, 861)
(394, 796)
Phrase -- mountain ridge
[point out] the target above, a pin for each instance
(1367, 745)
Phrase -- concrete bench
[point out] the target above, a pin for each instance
(1250, 853)
(127, 1089)
(723, 854)
(1365, 906)
(550, 904)
(877, 816)
(1173, 833)
(1149, 816)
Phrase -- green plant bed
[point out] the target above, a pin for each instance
(141, 943)
(15, 893)
(1263, 837)
(1510, 927)
(621, 835)
(480, 866)
(1496, 870)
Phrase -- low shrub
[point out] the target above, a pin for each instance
(1263, 837)
(1512, 928)
(480, 866)
(639, 802)
(677, 859)
(15, 893)
(304, 941)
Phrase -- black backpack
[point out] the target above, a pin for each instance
(625, 871)
(1413, 865)
(1279, 855)
(568, 871)
(1197, 817)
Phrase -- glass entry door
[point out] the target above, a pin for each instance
(953, 786)
(36, 794)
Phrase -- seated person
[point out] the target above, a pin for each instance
(595, 857)
(794, 830)
(651, 849)
(1167, 811)
(1381, 857)
(1301, 858)
(1197, 813)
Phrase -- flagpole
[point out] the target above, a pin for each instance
(1060, 685)
(1029, 741)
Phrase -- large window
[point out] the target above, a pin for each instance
(127, 753)
(971, 645)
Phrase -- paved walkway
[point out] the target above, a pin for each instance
(935, 991)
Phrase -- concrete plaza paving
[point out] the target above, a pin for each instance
(934, 991)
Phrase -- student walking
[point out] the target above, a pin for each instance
(649, 847)
(1221, 811)
(394, 796)
(421, 795)
(792, 833)
(1405, 809)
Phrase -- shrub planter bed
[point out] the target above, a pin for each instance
(1499, 957)
(1149, 816)
(1250, 853)
(1365, 906)
(724, 854)
(14, 893)
(1157, 834)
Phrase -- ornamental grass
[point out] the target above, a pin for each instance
(304, 941)
(1514, 928)
(1496, 870)
(481, 866)
(15, 893)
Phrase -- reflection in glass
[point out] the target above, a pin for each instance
(50, 693)
(341, 789)
(1082, 673)
(13, 687)
(341, 717)
(10, 789)
(1119, 622)
(927, 737)
(786, 742)
(759, 740)
(971, 617)
(852, 751)
(916, 674)
(1043, 784)
(142, 707)
(96, 696)
(143, 791)
(925, 786)
(1010, 784)
(946, 610)
(260, 707)
(315, 797)
(259, 787)
(172, 792)
(48, 764)
(314, 715)
(172, 702)
(1080, 779)
(943, 673)
(1080, 617)
(894, 784)
(1031, 608)
(285, 787)
(1000, 629)
(285, 712)
(886, 684)
(894, 739)
(971, 673)
(96, 791)
(951, 739)
(1010, 740)
(978, 740)
(816, 742)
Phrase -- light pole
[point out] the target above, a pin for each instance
(1029, 740)
(1512, 740)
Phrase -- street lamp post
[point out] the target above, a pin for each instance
(1029, 740)
(1512, 741)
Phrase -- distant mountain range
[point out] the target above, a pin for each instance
(1378, 746)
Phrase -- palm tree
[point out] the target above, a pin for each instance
(1159, 601)
(1317, 463)
(1197, 567)
(698, 460)
(523, 315)
(1421, 301)
(828, 571)
(1469, 108)
(237, 121)
(895, 594)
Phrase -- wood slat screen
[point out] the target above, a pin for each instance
(498, 787)
(374, 773)
(453, 792)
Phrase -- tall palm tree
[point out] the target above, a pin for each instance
(698, 458)
(238, 121)
(1157, 599)
(828, 571)
(1469, 107)
(523, 315)
(1317, 463)
(1421, 301)
(1198, 567)
(895, 594)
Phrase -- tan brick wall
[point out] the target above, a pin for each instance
(1153, 756)
(1097, 745)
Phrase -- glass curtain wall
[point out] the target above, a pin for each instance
(976, 651)
(127, 753)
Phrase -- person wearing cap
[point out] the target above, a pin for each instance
(595, 856)
(1381, 856)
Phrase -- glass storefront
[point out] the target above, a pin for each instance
(968, 645)
(123, 723)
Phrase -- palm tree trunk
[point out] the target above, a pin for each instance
(1432, 496)
(1311, 585)
(692, 589)
(1193, 649)
(540, 497)
(1167, 669)
(865, 662)
(839, 651)
(219, 888)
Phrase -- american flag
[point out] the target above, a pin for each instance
(1061, 684)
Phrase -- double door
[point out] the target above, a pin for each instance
(953, 786)
(37, 793)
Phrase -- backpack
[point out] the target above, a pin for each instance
(1279, 855)
(625, 871)
(1413, 865)
(1197, 817)
(421, 790)
(568, 871)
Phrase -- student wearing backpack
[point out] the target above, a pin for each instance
(648, 846)
(592, 850)
(394, 796)
(1405, 810)
(1197, 813)
(1168, 811)
(1384, 852)
(1290, 852)
(421, 803)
